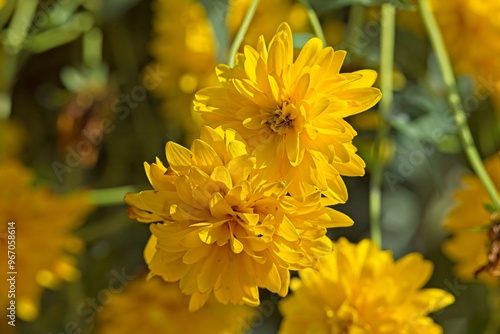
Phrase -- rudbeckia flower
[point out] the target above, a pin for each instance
(154, 306)
(469, 222)
(290, 112)
(220, 228)
(183, 28)
(361, 289)
(42, 223)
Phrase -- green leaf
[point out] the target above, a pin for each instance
(71, 30)
(217, 12)
(299, 40)
(489, 207)
(421, 116)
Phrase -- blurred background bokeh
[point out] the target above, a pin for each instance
(91, 89)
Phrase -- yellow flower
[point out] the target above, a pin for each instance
(469, 22)
(12, 138)
(469, 222)
(183, 46)
(223, 229)
(154, 306)
(361, 289)
(291, 113)
(42, 223)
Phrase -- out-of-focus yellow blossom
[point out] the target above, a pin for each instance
(469, 222)
(291, 112)
(361, 289)
(154, 306)
(11, 140)
(469, 22)
(268, 16)
(412, 21)
(43, 224)
(223, 229)
(184, 47)
(334, 30)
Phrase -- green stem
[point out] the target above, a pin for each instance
(313, 18)
(20, 25)
(238, 39)
(110, 196)
(456, 102)
(15, 38)
(386, 86)
(355, 27)
(6, 11)
(92, 48)
(494, 323)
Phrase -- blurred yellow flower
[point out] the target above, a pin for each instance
(154, 306)
(184, 46)
(469, 222)
(268, 16)
(43, 222)
(469, 22)
(291, 113)
(12, 138)
(223, 229)
(361, 289)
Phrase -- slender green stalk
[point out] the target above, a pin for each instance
(313, 18)
(20, 25)
(15, 38)
(456, 102)
(386, 86)
(494, 323)
(6, 11)
(355, 27)
(110, 196)
(238, 39)
(92, 48)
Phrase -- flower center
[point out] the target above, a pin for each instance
(282, 118)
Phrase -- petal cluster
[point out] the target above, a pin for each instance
(361, 289)
(290, 111)
(469, 222)
(223, 229)
(157, 307)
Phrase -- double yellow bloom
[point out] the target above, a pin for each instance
(291, 112)
(226, 230)
(361, 289)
